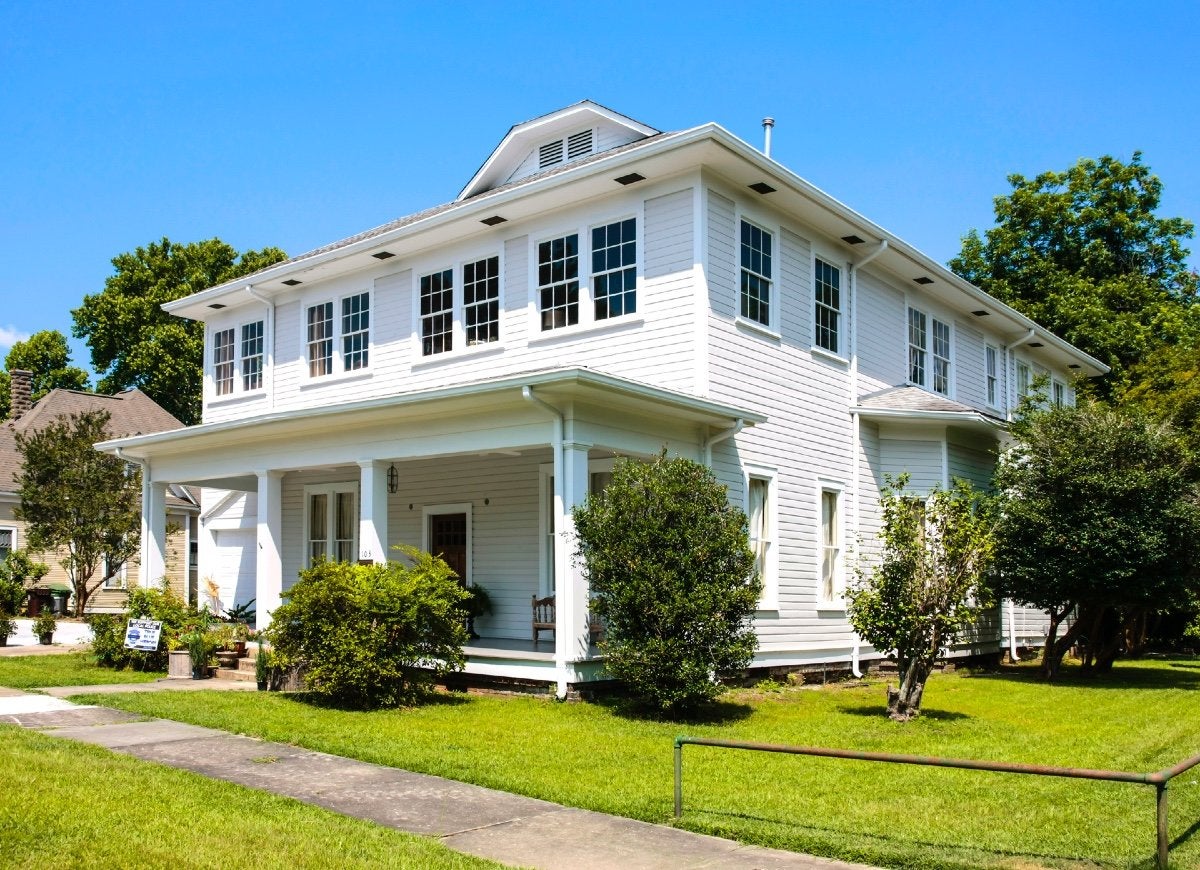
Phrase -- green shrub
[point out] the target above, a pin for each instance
(370, 636)
(670, 569)
(162, 604)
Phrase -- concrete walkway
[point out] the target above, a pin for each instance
(491, 824)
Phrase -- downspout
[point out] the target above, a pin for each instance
(559, 463)
(269, 341)
(738, 425)
(856, 441)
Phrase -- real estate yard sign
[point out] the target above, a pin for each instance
(143, 634)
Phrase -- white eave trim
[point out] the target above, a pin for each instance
(915, 416)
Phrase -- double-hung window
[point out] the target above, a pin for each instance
(481, 301)
(827, 314)
(614, 269)
(831, 543)
(223, 362)
(252, 356)
(760, 511)
(1060, 393)
(558, 281)
(924, 331)
(991, 368)
(356, 331)
(1024, 379)
(8, 541)
(437, 312)
(756, 258)
(320, 339)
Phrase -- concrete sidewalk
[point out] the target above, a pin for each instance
(478, 821)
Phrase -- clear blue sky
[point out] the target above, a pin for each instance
(295, 124)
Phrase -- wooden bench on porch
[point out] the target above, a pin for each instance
(544, 619)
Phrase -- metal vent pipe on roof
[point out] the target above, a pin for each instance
(768, 123)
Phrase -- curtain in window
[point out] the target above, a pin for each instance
(344, 522)
(760, 525)
(318, 519)
(829, 548)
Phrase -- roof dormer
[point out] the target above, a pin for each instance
(561, 137)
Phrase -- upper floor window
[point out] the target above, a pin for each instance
(991, 360)
(481, 300)
(922, 332)
(437, 312)
(558, 281)
(356, 329)
(1059, 393)
(252, 356)
(756, 256)
(1024, 378)
(223, 362)
(828, 312)
(614, 269)
(320, 339)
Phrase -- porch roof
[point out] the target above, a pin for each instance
(475, 397)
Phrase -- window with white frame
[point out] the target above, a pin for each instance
(991, 368)
(356, 331)
(437, 312)
(331, 522)
(760, 511)
(1059, 393)
(481, 301)
(116, 578)
(320, 339)
(252, 356)
(831, 543)
(8, 541)
(827, 315)
(223, 362)
(1024, 379)
(757, 245)
(558, 281)
(614, 269)
(921, 328)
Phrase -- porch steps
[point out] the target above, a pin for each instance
(238, 669)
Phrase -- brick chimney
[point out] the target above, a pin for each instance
(22, 392)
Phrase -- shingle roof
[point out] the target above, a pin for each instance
(130, 413)
(908, 398)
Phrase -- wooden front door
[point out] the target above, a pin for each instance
(448, 539)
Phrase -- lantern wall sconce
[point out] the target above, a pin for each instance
(393, 479)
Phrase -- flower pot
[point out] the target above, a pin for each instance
(239, 647)
(46, 639)
(199, 672)
(179, 663)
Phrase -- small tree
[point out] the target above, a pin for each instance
(927, 587)
(79, 501)
(670, 569)
(369, 636)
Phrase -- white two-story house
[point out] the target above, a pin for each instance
(460, 378)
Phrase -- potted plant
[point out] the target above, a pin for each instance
(44, 627)
(262, 667)
(478, 603)
(201, 645)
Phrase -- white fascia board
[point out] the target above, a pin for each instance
(567, 377)
(960, 417)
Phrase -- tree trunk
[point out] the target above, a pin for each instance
(904, 703)
(1137, 631)
(1057, 647)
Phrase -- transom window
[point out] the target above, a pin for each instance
(223, 362)
(919, 334)
(991, 358)
(437, 312)
(356, 326)
(252, 355)
(756, 248)
(614, 269)
(481, 300)
(320, 339)
(558, 282)
(828, 313)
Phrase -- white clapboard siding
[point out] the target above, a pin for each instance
(968, 363)
(921, 459)
(882, 345)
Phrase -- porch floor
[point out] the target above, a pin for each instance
(512, 648)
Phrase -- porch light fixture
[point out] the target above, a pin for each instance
(761, 187)
(853, 239)
(493, 220)
(981, 313)
(923, 280)
(292, 282)
(383, 255)
(631, 178)
(393, 479)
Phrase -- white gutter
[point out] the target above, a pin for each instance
(269, 341)
(559, 463)
(723, 435)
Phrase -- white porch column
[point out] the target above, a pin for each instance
(154, 530)
(373, 511)
(268, 584)
(571, 606)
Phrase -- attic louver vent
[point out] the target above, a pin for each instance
(550, 153)
(579, 144)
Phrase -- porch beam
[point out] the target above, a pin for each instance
(373, 512)
(268, 584)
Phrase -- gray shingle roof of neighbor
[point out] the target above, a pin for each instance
(131, 412)
(909, 398)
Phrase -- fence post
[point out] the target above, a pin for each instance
(1163, 844)
(678, 777)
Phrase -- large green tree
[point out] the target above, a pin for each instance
(78, 501)
(47, 356)
(1084, 253)
(1098, 521)
(134, 343)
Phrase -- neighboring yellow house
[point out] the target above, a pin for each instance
(130, 413)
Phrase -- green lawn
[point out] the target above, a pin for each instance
(1145, 717)
(68, 669)
(67, 805)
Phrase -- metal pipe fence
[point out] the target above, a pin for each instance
(1158, 779)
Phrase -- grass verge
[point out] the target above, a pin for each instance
(84, 807)
(69, 669)
(600, 757)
